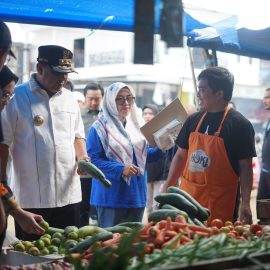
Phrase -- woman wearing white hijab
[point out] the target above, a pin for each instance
(118, 148)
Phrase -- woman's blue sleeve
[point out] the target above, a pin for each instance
(153, 154)
(111, 169)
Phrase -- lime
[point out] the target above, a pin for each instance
(47, 236)
(19, 247)
(57, 235)
(56, 242)
(34, 251)
(70, 243)
(27, 245)
(44, 224)
(70, 229)
(44, 251)
(46, 240)
(40, 244)
(53, 249)
(73, 235)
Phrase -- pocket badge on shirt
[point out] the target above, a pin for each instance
(38, 120)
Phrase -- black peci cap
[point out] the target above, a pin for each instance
(5, 38)
(59, 58)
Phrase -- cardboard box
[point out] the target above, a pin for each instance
(174, 111)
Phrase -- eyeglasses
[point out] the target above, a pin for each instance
(6, 96)
(121, 100)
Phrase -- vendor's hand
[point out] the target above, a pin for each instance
(130, 170)
(81, 171)
(245, 215)
(27, 221)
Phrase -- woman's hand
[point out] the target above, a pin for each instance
(27, 221)
(130, 170)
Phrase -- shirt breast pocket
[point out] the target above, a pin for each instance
(64, 125)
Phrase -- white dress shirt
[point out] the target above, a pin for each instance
(43, 155)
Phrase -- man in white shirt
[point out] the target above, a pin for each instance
(45, 134)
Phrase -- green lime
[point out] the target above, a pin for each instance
(19, 247)
(34, 251)
(73, 235)
(44, 224)
(40, 244)
(57, 235)
(46, 240)
(27, 245)
(70, 243)
(53, 249)
(56, 242)
(44, 251)
(47, 236)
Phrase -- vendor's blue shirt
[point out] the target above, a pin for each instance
(120, 195)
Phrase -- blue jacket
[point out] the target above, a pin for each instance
(120, 195)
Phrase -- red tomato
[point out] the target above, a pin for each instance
(217, 223)
(259, 233)
(254, 228)
(238, 223)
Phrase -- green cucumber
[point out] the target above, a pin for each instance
(162, 214)
(85, 244)
(133, 225)
(89, 230)
(177, 201)
(94, 171)
(52, 230)
(202, 214)
(118, 229)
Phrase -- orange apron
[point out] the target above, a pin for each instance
(208, 175)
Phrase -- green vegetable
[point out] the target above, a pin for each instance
(118, 229)
(53, 230)
(177, 201)
(202, 214)
(161, 214)
(102, 236)
(95, 172)
(133, 225)
(70, 229)
(89, 230)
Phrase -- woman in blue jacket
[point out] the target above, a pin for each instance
(118, 148)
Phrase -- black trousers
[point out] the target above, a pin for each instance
(86, 209)
(2, 238)
(58, 217)
(264, 186)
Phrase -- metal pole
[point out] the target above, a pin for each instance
(193, 77)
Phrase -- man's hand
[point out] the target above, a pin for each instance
(130, 170)
(81, 171)
(28, 221)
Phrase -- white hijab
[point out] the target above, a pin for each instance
(118, 141)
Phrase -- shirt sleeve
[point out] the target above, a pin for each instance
(9, 117)
(154, 154)
(111, 169)
(183, 136)
(79, 127)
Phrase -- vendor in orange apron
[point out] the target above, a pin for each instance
(208, 175)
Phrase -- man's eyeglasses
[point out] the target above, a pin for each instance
(121, 100)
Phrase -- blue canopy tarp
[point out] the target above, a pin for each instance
(118, 15)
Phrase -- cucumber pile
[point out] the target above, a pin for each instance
(178, 202)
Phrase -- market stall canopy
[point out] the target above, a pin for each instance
(204, 27)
